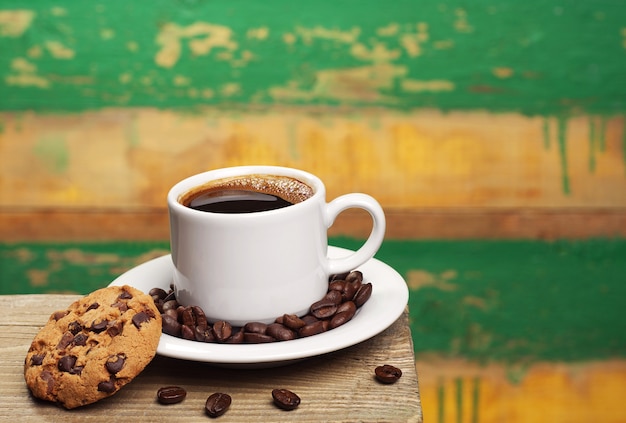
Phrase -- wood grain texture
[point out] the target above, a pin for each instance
(334, 387)
(462, 223)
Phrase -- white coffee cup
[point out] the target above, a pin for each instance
(256, 266)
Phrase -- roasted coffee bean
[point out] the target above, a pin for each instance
(363, 294)
(349, 291)
(340, 319)
(157, 293)
(387, 374)
(292, 321)
(337, 285)
(349, 306)
(334, 296)
(115, 363)
(255, 327)
(187, 332)
(236, 338)
(222, 330)
(170, 305)
(170, 325)
(199, 316)
(323, 309)
(66, 363)
(171, 395)
(338, 276)
(217, 404)
(356, 276)
(187, 317)
(257, 338)
(308, 319)
(285, 399)
(204, 334)
(312, 329)
(280, 332)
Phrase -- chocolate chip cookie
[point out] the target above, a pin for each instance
(93, 348)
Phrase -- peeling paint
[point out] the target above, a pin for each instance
(13, 23)
(415, 86)
(171, 36)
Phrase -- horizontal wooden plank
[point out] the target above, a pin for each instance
(339, 386)
(470, 223)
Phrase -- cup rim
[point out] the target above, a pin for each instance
(186, 184)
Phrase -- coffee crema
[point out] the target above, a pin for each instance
(246, 194)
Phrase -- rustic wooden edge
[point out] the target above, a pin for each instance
(466, 223)
(334, 387)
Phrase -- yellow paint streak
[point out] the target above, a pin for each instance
(13, 23)
(260, 33)
(354, 84)
(230, 89)
(417, 279)
(181, 81)
(443, 44)
(503, 72)
(388, 31)
(202, 38)
(436, 85)
(378, 53)
(25, 75)
(547, 392)
(58, 11)
(309, 34)
(34, 52)
(58, 50)
(461, 23)
(107, 34)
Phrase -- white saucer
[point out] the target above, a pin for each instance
(389, 299)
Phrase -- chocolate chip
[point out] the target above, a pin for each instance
(140, 318)
(66, 339)
(125, 295)
(115, 328)
(115, 363)
(99, 327)
(107, 386)
(66, 363)
(74, 327)
(37, 359)
(58, 315)
(80, 340)
(93, 306)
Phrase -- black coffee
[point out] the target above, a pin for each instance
(247, 194)
(238, 202)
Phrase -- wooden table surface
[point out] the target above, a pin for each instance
(339, 386)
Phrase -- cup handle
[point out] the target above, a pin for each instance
(375, 239)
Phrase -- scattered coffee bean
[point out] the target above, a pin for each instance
(363, 294)
(217, 404)
(285, 399)
(171, 395)
(387, 374)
